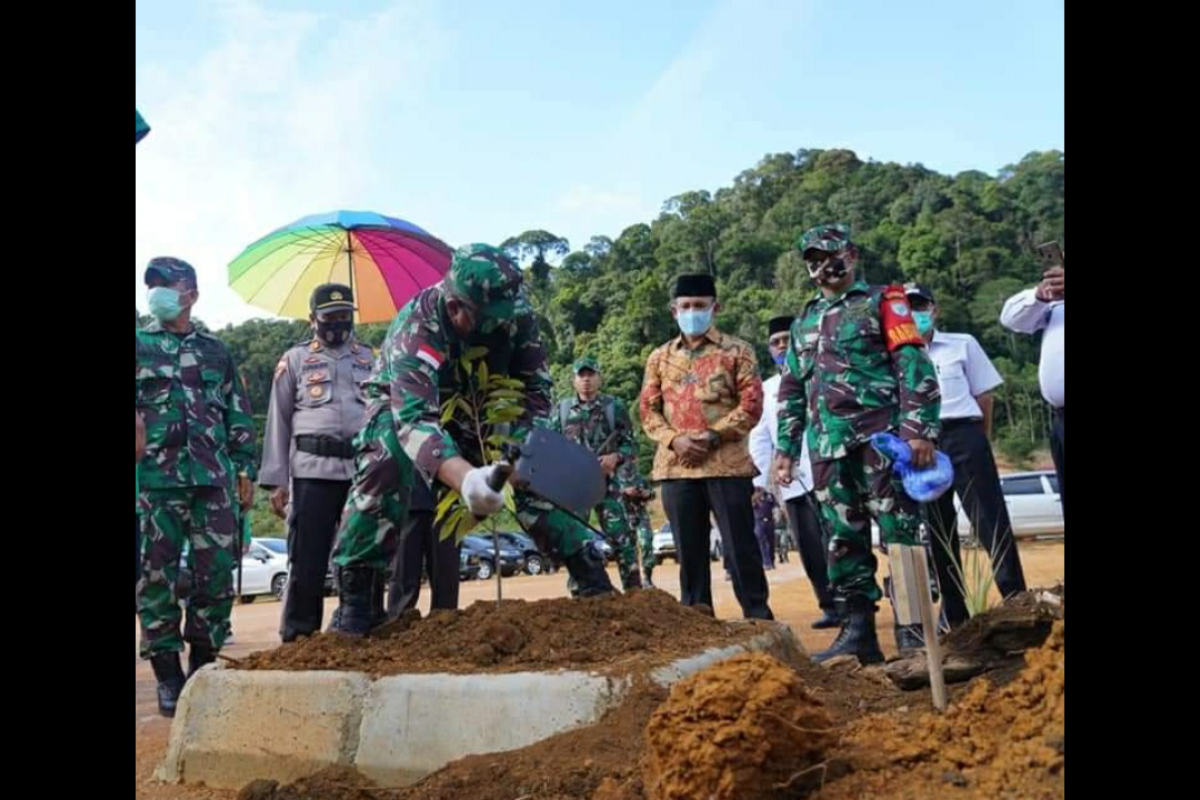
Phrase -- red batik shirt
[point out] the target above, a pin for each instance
(714, 387)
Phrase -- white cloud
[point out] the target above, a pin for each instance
(275, 123)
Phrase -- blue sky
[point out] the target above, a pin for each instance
(479, 119)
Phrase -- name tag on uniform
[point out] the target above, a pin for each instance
(316, 363)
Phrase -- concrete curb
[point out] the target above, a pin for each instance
(235, 726)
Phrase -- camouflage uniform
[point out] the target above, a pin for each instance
(587, 424)
(637, 515)
(199, 437)
(417, 371)
(857, 366)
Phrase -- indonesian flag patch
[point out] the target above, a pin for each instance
(430, 356)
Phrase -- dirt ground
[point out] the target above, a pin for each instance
(256, 628)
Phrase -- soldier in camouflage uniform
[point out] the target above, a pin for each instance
(199, 439)
(636, 495)
(856, 366)
(600, 422)
(480, 303)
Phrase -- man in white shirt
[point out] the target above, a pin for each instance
(803, 517)
(966, 377)
(1043, 308)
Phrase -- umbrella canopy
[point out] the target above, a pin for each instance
(385, 260)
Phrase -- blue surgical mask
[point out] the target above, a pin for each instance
(694, 322)
(780, 358)
(924, 320)
(164, 304)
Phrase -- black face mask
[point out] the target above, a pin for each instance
(830, 271)
(335, 333)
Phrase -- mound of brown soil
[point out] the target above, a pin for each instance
(592, 633)
(745, 729)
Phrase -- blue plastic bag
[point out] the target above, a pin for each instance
(923, 485)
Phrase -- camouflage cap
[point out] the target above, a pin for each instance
(488, 278)
(171, 270)
(828, 238)
(587, 362)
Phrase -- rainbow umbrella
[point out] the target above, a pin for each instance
(385, 260)
(142, 127)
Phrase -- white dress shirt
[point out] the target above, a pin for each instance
(964, 372)
(1025, 313)
(764, 441)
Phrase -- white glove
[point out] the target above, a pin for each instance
(481, 499)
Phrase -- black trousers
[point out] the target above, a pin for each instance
(688, 504)
(419, 550)
(316, 511)
(1058, 452)
(805, 523)
(977, 484)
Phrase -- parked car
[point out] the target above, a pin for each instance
(264, 570)
(468, 564)
(715, 549)
(278, 546)
(1033, 502)
(664, 544)
(512, 560)
(535, 562)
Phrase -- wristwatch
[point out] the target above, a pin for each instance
(714, 439)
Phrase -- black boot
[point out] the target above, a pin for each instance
(829, 620)
(169, 674)
(909, 639)
(857, 637)
(199, 655)
(356, 609)
(378, 609)
(587, 569)
(650, 578)
(334, 618)
(634, 581)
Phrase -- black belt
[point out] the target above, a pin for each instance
(953, 423)
(325, 446)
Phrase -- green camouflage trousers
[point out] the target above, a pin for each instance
(619, 534)
(615, 525)
(377, 505)
(852, 491)
(203, 519)
(638, 520)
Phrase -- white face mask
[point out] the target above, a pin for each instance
(165, 303)
(695, 321)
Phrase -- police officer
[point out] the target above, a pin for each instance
(199, 445)
(317, 408)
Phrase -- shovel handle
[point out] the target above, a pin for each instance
(500, 476)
